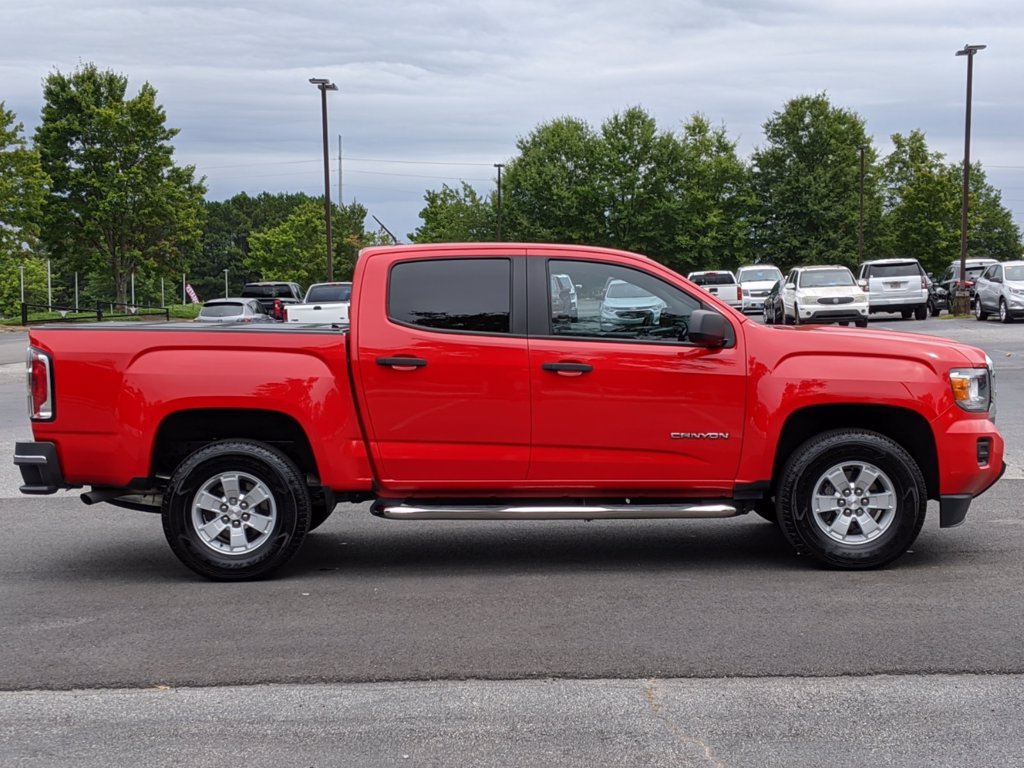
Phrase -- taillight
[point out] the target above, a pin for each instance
(285, 314)
(40, 385)
(739, 291)
(278, 309)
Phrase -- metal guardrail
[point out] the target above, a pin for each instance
(104, 310)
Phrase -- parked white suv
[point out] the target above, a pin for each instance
(896, 285)
(755, 281)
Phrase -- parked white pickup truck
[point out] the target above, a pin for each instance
(721, 283)
(324, 303)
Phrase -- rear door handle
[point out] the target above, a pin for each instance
(568, 369)
(402, 363)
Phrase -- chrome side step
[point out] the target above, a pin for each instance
(401, 511)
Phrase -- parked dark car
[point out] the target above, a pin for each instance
(234, 310)
(772, 307)
(938, 299)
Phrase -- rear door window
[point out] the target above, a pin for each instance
(468, 295)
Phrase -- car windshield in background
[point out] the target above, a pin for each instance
(907, 269)
(619, 289)
(330, 293)
(714, 278)
(825, 278)
(228, 309)
(265, 291)
(1015, 273)
(750, 275)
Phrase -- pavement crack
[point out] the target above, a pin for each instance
(653, 697)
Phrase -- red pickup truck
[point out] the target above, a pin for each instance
(460, 392)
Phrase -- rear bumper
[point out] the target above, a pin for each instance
(40, 468)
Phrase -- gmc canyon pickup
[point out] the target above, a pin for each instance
(459, 392)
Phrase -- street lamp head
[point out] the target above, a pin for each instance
(969, 50)
(323, 83)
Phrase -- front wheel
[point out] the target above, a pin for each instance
(851, 499)
(236, 510)
(1004, 312)
(796, 313)
(861, 323)
(979, 313)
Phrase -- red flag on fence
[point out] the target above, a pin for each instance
(192, 293)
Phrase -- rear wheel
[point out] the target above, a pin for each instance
(906, 313)
(921, 313)
(236, 510)
(851, 499)
(979, 312)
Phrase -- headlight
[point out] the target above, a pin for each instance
(1017, 291)
(972, 388)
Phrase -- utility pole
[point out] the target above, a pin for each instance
(499, 166)
(326, 85)
(860, 228)
(962, 300)
(341, 204)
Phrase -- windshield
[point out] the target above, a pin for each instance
(220, 310)
(749, 275)
(713, 278)
(618, 289)
(826, 278)
(329, 293)
(1015, 272)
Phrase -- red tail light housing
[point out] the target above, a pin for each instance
(278, 309)
(40, 385)
(739, 291)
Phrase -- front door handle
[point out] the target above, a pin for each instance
(402, 363)
(568, 369)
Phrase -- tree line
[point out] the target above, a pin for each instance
(97, 195)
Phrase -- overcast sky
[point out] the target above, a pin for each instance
(434, 92)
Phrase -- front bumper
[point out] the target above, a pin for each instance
(40, 468)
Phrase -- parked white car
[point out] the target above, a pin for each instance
(755, 281)
(324, 303)
(823, 294)
(1000, 289)
(719, 282)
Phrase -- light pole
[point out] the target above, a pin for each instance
(21, 268)
(225, 283)
(326, 85)
(499, 166)
(961, 303)
(860, 227)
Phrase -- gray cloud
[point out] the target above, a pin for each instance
(443, 90)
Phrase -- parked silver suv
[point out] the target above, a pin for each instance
(895, 285)
(1000, 288)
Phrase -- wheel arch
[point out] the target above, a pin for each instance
(901, 425)
(184, 432)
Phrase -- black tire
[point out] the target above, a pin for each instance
(203, 529)
(979, 311)
(921, 313)
(906, 313)
(861, 323)
(1004, 312)
(848, 540)
(796, 313)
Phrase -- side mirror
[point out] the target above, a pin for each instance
(706, 329)
(790, 286)
(863, 284)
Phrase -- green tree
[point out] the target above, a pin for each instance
(714, 201)
(22, 190)
(456, 216)
(552, 192)
(118, 204)
(296, 249)
(923, 208)
(807, 181)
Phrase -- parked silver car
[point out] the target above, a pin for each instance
(234, 311)
(896, 285)
(1000, 289)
